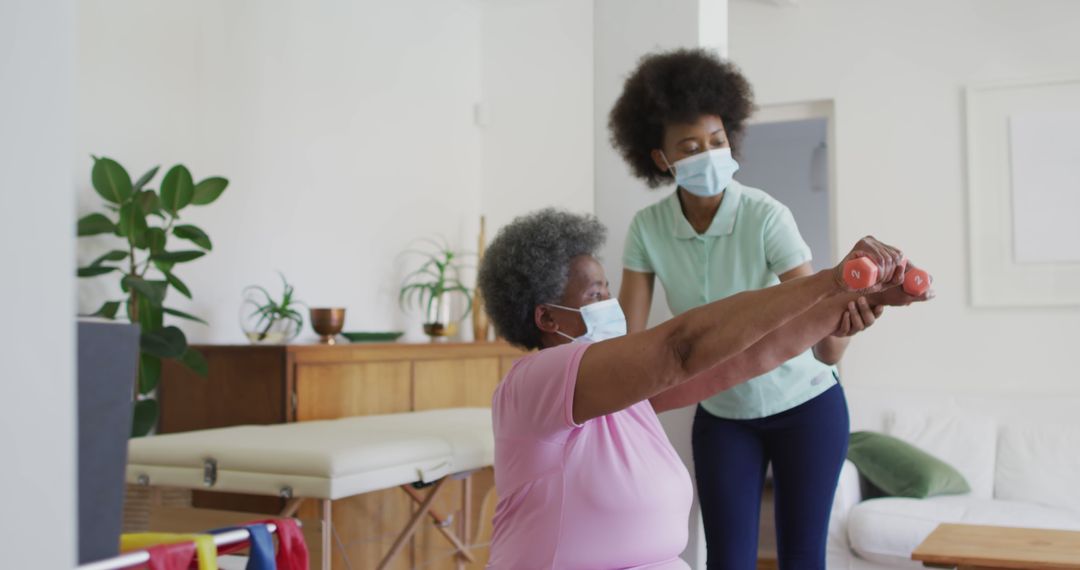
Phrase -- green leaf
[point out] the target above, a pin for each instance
(145, 417)
(149, 203)
(111, 180)
(195, 235)
(108, 310)
(208, 190)
(94, 270)
(95, 224)
(155, 240)
(176, 283)
(424, 269)
(183, 315)
(145, 178)
(167, 342)
(293, 314)
(269, 300)
(149, 372)
(126, 220)
(194, 360)
(408, 294)
(114, 255)
(133, 225)
(152, 291)
(150, 317)
(176, 189)
(179, 256)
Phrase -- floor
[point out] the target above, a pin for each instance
(767, 532)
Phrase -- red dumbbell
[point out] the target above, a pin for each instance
(916, 282)
(862, 273)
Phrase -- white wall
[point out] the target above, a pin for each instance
(625, 31)
(346, 129)
(37, 343)
(537, 107)
(896, 72)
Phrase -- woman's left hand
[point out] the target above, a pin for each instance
(858, 317)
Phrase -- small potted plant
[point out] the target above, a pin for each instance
(266, 320)
(431, 288)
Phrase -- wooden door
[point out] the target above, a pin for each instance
(458, 383)
(452, 383)
(365, 525)
(329, 391)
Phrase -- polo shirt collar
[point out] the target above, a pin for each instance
(723, 223)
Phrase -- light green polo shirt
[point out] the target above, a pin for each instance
(752, 239)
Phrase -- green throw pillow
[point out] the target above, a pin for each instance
(901, 469)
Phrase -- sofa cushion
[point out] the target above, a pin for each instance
(886, 531)
(967, 442)
(1039, 463)
(901, 469)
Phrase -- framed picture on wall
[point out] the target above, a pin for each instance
(1023, 173)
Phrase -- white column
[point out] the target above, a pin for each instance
(624, 30)
(37, 245)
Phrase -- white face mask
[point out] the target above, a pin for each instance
(704, 174)
(603, 320)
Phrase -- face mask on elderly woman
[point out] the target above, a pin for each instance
(603, 320)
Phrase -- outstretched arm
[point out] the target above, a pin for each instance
(621, 372)
(784, 343)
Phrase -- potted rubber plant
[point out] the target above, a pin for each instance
(432, 287)
(147, 223)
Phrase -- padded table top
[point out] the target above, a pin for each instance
(320, 459)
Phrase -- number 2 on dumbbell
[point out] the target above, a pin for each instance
(862, 273)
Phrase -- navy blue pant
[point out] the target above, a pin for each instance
(806, 446)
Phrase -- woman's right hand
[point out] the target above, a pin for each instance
(888, 259)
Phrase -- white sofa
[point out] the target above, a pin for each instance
(1020, 454)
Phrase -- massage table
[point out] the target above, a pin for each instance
(328, 460)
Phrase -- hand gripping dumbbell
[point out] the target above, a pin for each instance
(862, 273)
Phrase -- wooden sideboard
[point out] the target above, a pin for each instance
(275, 384)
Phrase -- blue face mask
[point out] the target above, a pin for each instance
(705, 174)
(603, 320)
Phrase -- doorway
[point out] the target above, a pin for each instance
(787, 152)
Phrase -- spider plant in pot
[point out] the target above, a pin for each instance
(266, 320)
(433, 286)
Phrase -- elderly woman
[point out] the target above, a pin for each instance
(586, 476)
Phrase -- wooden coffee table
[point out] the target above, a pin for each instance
(978, 547)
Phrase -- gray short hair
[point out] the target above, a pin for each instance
(528, 264)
